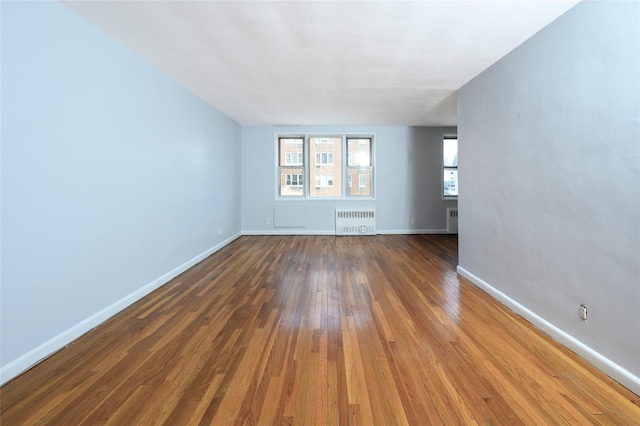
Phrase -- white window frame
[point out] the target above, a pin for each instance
(288, 159)
(327, 155)
(290, 168)
(306, 166)
(362, 142)
(324, 180)
(289, 180)
(444, 168)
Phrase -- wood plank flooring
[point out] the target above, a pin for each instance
(318, 331)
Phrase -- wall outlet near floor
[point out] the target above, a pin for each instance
(268, 221)
(583, 312)
(413, 220)
(219, 231)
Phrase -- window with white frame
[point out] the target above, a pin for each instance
(293, 158)
(360, 164)
(293, 180)
(324, 159)
(320, 161)
(450, 167)
(324, 180)
(291, 166)
(325, 155)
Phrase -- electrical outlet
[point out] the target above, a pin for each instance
(413, 220)
(219, 231)
(268, 221)
(583, 312)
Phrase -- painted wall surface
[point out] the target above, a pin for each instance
(408, 180)
(112, 174)
(550, 193)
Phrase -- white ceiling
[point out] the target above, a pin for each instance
(324, 62)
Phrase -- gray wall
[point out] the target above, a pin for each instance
(408, 182)
(550, 182)
(112, 176)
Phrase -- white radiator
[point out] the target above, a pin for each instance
(452, 221)
(356, 222)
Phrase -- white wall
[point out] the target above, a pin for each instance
(408, 182)
(114, 178)
(550, 182)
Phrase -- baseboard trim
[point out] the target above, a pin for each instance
(48, 348)
(604, 364)
(412, 231)
(299, 231)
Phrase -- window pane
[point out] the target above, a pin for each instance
(325, 170)
(291, 153)
(359, 166)
(291, 167)
(359, 152)
(450, 152)
(359, 181)
(291, 182)
(450, 182)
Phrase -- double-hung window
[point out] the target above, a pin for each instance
(360, 166)
(312, 166)
(450, 167)
(291, 166)
(326, 166)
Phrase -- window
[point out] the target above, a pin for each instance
(314, 166)
(293, 158)
(324, 158)
(291, 166)
(450, 167)
(326, 168)
(293, 180)
(359, 163)
(324, 181)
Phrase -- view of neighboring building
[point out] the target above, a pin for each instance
(359, 167)
(450, 166)
(291, 166)
(325, 167)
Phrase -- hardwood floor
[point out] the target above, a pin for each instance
(318, 330)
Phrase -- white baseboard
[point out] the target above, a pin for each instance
(604, 364)
(299, 231)
(411, 231)
(31, 358)
(289, 231)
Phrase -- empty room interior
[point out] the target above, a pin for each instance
(251, 212)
